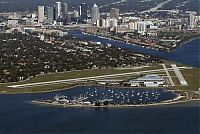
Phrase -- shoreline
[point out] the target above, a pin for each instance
(74, 86)
(39, 92)
(176, 100)
(189, 40)
(164, 103)
(141, 44)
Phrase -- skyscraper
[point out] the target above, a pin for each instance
(191, 20)
(114, 13)
(58, 10)
(95, 13)
(83, 11)
(76, 14)
(40, 14)
(50, 13)
(64, 10)
(101, 22)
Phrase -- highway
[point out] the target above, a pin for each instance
(153, 9)
(179, 75)
(114, 3)
(157, 7)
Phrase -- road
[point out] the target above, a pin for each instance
(153, 9)
(157, 7)
(118, 2)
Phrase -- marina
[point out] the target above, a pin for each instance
(42, 118)
(99, 96)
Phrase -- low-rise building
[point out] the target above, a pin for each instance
(148, 81)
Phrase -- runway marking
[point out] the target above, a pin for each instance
(179, 75)
(168, 75)
(87, 78)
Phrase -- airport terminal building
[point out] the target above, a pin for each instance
(148, 81)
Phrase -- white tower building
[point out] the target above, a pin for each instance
(95, 13)
(40, 14)
(108, 22)
(58, 10)
(143, 26)
(191, 20)
(113, 22)
(76, 14)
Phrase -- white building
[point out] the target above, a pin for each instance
(76, 14)
(58, 10)
(148, 81)
(113, 22)
(95, 13)
(132, 25)
(108, 22)
(40, 14)
(12, 22)
(143, 26)
(191, 20)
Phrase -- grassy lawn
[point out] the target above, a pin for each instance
(192, 77)
(174, 78)
(73, 75)
(87, 73)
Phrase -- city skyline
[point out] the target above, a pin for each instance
(99, 66)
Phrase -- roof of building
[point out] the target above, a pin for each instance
(151, 77)
(95, 5)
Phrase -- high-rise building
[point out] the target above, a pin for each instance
(191, 20)
(40, 14)
(143, 26)
(58, 10)
(101, 22)
(113, 22)
(50, 13)
(69, 17)
(95, 13)
(83, 11)
(133, 24)
(108, 22)
(114, 13)
(76, 14)
(64, 10)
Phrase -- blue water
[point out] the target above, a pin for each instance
(188, 53)
(121, 95)
(17, 115)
